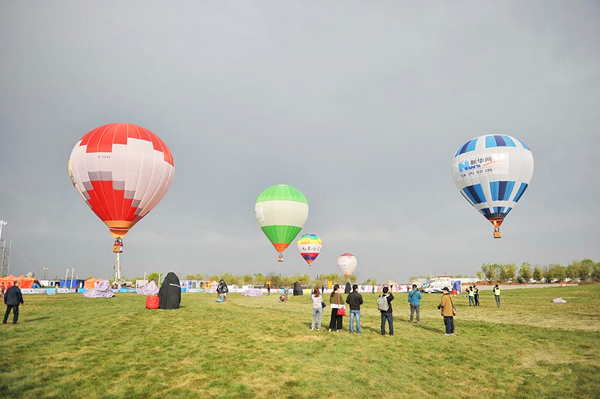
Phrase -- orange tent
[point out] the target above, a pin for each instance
(91, 283)
(24, 282)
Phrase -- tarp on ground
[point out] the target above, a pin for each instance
(170, 292)
(252, 292)
(222, 288)
(297, 289)
(348, 288)
(148, 289)
(102, 290)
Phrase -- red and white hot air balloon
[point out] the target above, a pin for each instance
(121, 171)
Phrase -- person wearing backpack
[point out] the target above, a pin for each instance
(448, 310)
(384, 304)
(414, 301)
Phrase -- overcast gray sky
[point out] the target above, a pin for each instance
(359, 104)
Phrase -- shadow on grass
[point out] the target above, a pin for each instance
(428, 328)
(36, 319)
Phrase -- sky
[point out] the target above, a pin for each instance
(360, 105)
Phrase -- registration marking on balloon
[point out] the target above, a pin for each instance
(488, 164)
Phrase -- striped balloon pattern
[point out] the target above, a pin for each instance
(310, 246)
(492, 173)
(121, 171)
(347, 264)
(281, 212)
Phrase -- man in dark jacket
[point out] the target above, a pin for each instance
(12, 298)
(354, 300)
(387, 314)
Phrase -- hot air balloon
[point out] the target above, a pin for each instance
(309, 246)
(492, 172)
(121, 171)
(281, 211)
(347, 264)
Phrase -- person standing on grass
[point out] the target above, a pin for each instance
(336, 301)
(354, 299)
(448, 310)
(414, 301)
(2, 289)
(13, 298)
(497, 294)
(476, 294)
(317, 301)
(386, 312)
(471, 293)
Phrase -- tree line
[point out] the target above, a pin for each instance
(581, 270)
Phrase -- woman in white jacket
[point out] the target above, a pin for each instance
(317, 300)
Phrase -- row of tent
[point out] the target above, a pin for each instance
(24, 282)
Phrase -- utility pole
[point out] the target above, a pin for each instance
(45, 270)
(5, 258)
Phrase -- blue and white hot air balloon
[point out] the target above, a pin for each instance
(492, 172)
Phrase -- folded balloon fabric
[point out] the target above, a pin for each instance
(148, 289)
(252, 293)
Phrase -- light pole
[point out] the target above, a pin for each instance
(45, 270)
(2, 224)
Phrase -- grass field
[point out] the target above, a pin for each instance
(67, 346)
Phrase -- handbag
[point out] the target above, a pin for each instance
(341, 308)
(323, 304)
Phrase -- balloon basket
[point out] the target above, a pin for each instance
(497, 233)
(280, 259)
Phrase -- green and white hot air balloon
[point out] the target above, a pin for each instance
(281, 211)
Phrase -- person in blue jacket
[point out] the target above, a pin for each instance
(414, 300)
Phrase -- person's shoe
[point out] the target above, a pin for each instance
(318, 329)
(312, 328)
(447, 334)
(330, 330)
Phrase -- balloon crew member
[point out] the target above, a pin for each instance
(471, 293)
(497, 294)
(476, 294)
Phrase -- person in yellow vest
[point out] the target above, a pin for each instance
(497, 294)
(476, 294)
(471, 292)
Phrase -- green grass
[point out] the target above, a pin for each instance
(67, 346)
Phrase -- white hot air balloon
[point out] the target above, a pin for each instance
(492, 172)
(347, 264)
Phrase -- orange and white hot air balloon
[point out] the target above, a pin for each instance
(121, 171)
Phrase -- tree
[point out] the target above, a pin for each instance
(538, 273)
(596, 272)
(353, 278)
(525, 272)
(510, 270)
(153, 277)
(558, 272)
(370, 281)
(489, 271)
(479, 275)
(548, 273)
(585, 269)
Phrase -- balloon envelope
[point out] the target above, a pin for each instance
(281, 211)
(310, 246)
(121, 171)
(492, 173)
(347, 264)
